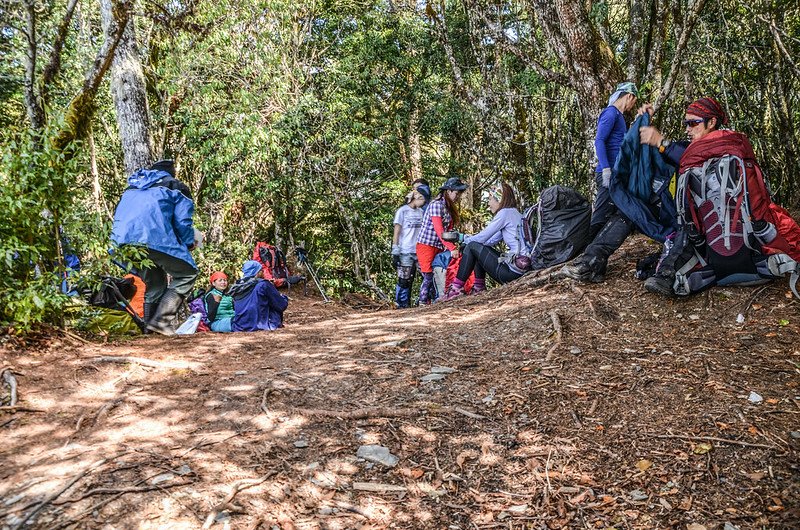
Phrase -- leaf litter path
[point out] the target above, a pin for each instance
(567, 406)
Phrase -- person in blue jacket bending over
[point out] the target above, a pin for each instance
(611, 129)
(155, 212)
(257, 304)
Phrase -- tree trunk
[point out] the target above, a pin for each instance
(32, 102)
(635, 60)
(414, 149)
(128, 91)
(659, 35)
(587, 58)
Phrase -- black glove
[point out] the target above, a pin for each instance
(395, 260)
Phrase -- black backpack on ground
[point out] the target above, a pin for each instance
(556, 228)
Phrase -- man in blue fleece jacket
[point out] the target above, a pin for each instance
(611, 128)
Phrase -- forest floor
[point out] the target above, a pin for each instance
(559, 405)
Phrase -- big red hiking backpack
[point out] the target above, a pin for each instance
(273, 263)
(727, 218)
(556, 228)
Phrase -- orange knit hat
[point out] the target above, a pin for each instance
(217, 275)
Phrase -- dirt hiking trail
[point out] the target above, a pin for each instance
(554, 405)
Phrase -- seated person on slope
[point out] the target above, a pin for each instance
(257, 303)
(480, 256)
(219, 304)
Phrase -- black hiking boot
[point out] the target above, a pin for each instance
(163, 320)
(149, 310)
(660, 285)
(583, 271)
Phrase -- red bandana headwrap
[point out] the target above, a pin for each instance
(217, 275)
(708, 108)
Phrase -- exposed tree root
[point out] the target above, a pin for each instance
(559, 333)
(227, 502)
(175, 365)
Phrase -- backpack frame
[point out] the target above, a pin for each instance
(714, 204)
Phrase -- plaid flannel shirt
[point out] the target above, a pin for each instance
(427, 235)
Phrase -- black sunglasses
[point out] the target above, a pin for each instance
(693, 123)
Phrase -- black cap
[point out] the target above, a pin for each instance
(454, 184)
(425, 191)
(165, 165)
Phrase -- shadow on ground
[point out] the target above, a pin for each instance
(550, 406)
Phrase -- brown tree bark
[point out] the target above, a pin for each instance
(33, 103)
(658, 36)
(128, 90)
(587, 59)
(635, 60)
(81, 108)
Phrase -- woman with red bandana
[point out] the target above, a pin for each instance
(772, 227)
(702, 117)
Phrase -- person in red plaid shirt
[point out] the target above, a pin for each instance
(441, 216)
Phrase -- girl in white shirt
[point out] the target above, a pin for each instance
(407, 222)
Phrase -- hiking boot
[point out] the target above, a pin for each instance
(149, 311)
(163, 320)
(660, 285)
(478, 286)
(581, 270)
(453, 292)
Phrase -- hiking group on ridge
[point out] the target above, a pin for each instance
(721, 226)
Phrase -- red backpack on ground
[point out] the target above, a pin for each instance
(723, 198)
(273, 263)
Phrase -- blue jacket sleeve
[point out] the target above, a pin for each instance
(182, 219)
(276, 300)
(605, 124)
(674, 152)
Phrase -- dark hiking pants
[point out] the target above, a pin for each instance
(607, 241)
(602, 209)
(483, 260)
(182, 276)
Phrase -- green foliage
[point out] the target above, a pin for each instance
(34, 184)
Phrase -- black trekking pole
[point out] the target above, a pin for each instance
(302, 259)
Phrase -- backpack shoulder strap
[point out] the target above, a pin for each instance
(782, 264)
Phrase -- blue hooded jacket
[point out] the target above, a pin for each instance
(639, 185)
(155, 211)
(257, 303)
